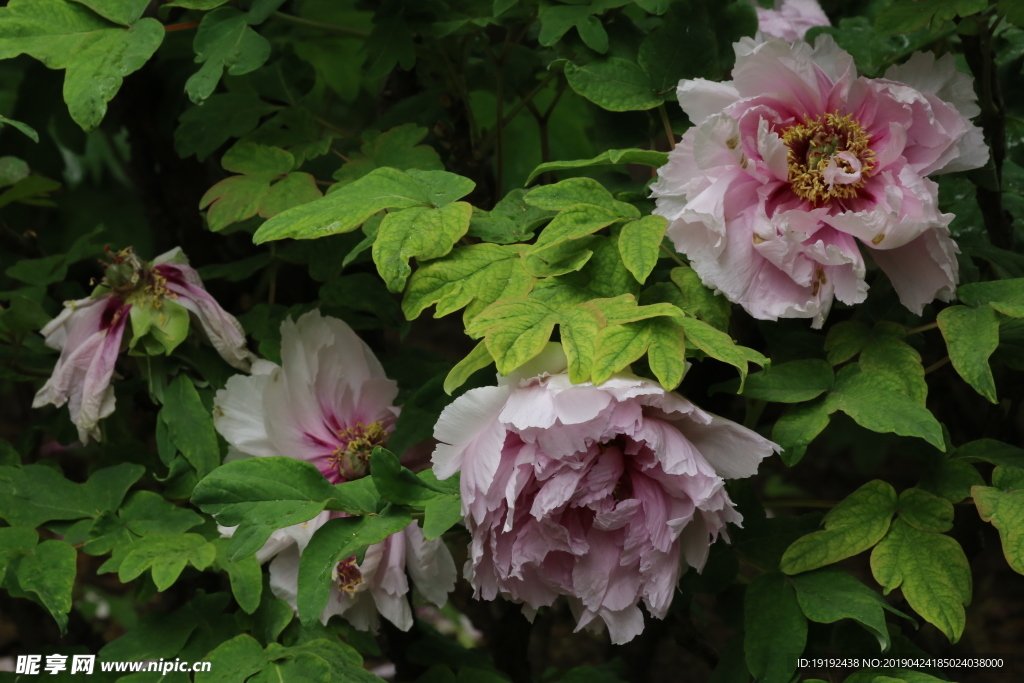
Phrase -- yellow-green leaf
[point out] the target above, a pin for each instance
(423, 233)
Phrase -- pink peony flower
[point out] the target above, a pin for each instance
(796, 163)
(88, 332)
(599, 493)
(791, 19)
(330, 403)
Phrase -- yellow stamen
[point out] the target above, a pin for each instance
(814, 143)
(352, 456)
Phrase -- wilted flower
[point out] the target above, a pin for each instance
(88, 332)
(330, 403)
(791, 19)
(797, 160)
(156, 297)
(599, 493)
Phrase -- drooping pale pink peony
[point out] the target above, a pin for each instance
(602, 494)
(791, 19)
(797, 162)
(89, 332)
(184, 286)
(330, 403)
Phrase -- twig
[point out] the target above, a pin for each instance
(922, 328)
(672, 255)
(800, 503)
(489, 140)
(668, 125)
(181, 27)
(935, 366)
(346, 31)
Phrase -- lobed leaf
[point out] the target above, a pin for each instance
(932, 571)
(857, 523)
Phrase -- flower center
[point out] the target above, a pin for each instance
(829, 158)
(356, 444)
(348, 576)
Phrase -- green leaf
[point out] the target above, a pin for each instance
(224, 41)
(337, 540)
(396, 148)
(618, 346)
(514, 330)
(125, 12)
(146, 513)
(160, 634)
(716, 344)
(390, 44)
(950, 478)
(48, 572)
(828, 595)
(347, 208)
(165, 554)
(797, 427)
(699, 301)
(925, 511)
(568, 193)
(245, 576)
(511, 220)
(572, 223)
(234, 660)
(478, 359)
(886, 352)
(763, 540)
(932, 571)
(1005, 511)
(870, 399)
(614, 84)
(857, 523)
(666, 59)
(424, 233)
(15, 541)
(640, 243)
(266, 187)
(396, 483)
(666, 354)
(978, 294)
(990, 450)
(793, 382)
(204, 128)
(971, 335)
(578, 328)
(441, 514)
(775, 629)
(559, 259)
(96, 54)
(32, 495)
(260, 495)
(190, 426)
(612, 157)
(845, 340)
(905, 16)
(18, 125)
(473, 277)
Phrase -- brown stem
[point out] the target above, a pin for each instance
(668, 126)
(486, 143)
(935, 366)
(922, 328)
(181, 27)
(346, 31)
